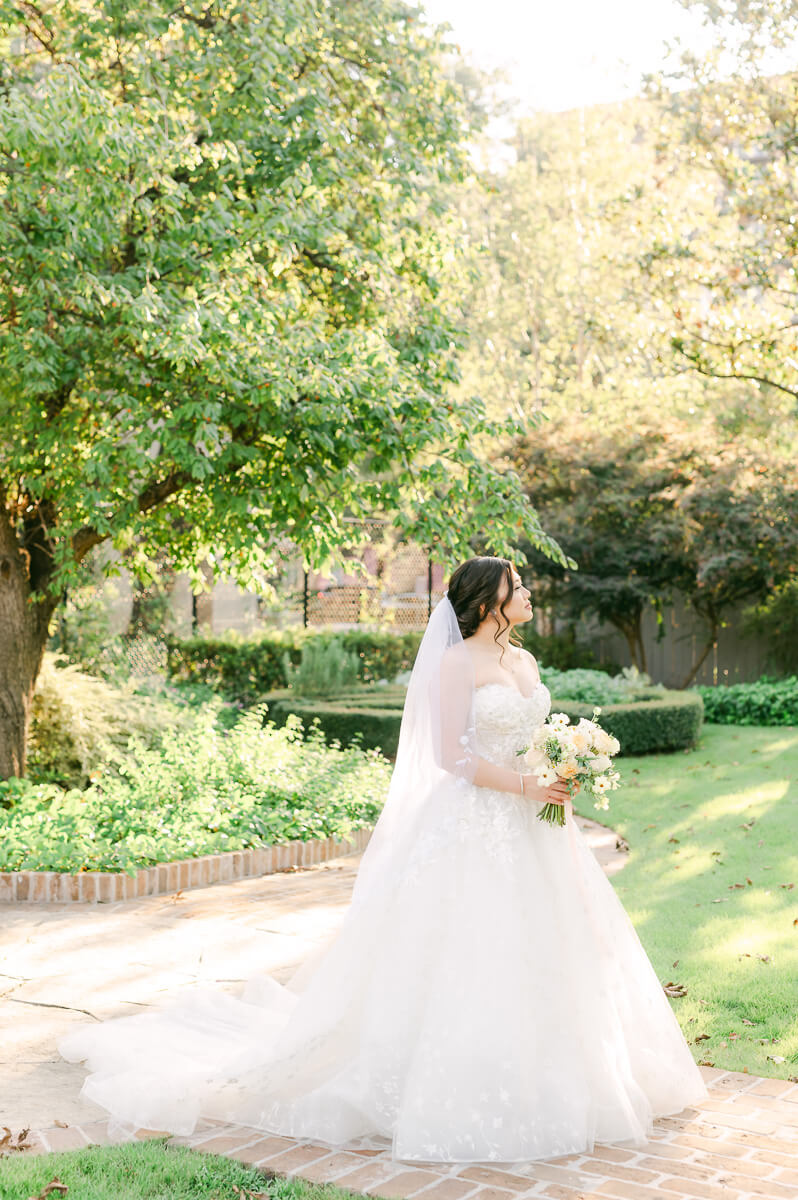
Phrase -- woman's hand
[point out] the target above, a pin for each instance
(556, 794)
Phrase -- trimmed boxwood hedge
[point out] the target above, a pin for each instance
(368, 716)
(245, 669)
(371, 716)
(667, 721)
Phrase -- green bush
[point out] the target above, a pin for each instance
(245, 670)
(201, 791)
(77, 721)
(597, 687)
(776, 620)
(368, 717)
(561, 651)
(666, 721)
(766, 702)
(326, 669)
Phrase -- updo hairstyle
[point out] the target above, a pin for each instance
(474, 589)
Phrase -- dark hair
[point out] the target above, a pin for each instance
(474, 589)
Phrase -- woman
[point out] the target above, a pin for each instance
(486, 997)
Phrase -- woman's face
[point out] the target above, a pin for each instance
(517, 609)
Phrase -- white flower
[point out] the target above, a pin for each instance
(558, 721)
(545, 776)
(601, 784)
(615, 745)
(600, 764)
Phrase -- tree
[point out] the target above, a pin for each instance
(722, 254)
(650, 513)
(741, 536)
(227, 296)
(612, 502)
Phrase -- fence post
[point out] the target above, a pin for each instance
(429, 584)
(304, 599)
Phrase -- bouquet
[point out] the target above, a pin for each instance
(578, 755)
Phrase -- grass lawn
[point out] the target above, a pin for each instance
(147, 1171)
(712, 888)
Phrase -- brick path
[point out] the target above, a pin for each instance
(741, 1143)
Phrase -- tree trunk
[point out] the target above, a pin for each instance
(631, 628)
(24, 621)
(696, 667)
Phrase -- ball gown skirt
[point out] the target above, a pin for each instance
(490, 1003)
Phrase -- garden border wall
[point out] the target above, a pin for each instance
(57, 887)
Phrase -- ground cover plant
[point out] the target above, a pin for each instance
(765, 702)
(712, 888)
(203, 789)
(148, 1171)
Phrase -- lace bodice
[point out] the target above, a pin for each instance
(505, 720)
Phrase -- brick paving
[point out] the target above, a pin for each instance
(740, 1144)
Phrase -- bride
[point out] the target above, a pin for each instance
(486, 997)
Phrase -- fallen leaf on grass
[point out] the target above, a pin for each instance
(675, 964)
(788, 886)
(62, 1124)
(645, 827)
(55, 1185)
(673, 839)
(705, 1062)
(736, 885)
(776, 1058)
(621, 843)
(674, 989)
(747, 1022)
(701, 1037)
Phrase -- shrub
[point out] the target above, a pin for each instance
(666, 721)
(245, 670)
(201, 791)
(368, 717)
(561, 651)
(766, 702)
(326, 668)
(78, 720)
(776, 620)
(597, 687)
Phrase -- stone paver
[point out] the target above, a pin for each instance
(57, 965)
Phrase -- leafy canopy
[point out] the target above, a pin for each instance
(228, 283)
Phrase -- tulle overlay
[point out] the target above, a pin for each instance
(490, 1002)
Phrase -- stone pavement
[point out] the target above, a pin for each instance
(60, 964)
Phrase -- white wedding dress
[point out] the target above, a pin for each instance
(490, 1003)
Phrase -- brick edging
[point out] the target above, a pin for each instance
(55, 887)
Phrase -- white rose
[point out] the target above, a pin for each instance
(600, 764)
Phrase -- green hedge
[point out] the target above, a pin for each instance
(369, 717)
(245, 669)
(666, 721)
(766, 702)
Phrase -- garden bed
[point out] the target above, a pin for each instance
(56, 887)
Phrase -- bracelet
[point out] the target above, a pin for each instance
(523, 789)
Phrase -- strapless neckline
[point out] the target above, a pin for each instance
(509, 688)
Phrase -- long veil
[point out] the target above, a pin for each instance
(283, 1057)
(436, 742)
